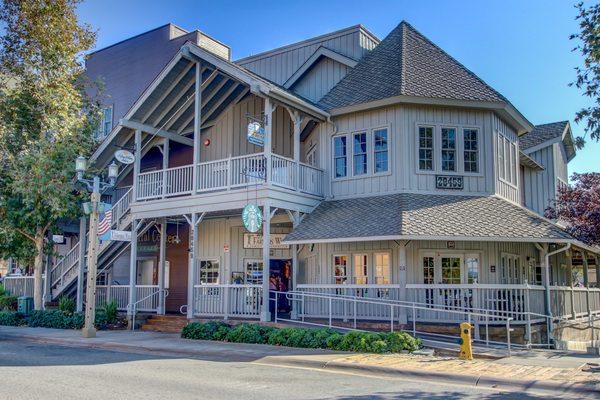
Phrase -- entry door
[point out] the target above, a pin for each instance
(146, 272)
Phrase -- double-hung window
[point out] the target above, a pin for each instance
(426, 148)
(360, 153)
(380, 141)
(471, 150)
(105, 125)
(340, 269)
(448, 149)
(340, 159)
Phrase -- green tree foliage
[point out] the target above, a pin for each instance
(588, 75)
(46, 121)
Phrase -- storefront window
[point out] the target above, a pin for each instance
(340, 269)
(209, 272)
(254, 272)
(382, 269)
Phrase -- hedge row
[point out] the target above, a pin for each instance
(365, 342)
(53, 319)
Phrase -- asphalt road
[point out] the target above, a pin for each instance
(31, 370)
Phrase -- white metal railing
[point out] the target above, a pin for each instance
(241, 301)
(311, 179)
(148, 299)
(229, 173)
(283, 171)
(19, 285)
(121, 207)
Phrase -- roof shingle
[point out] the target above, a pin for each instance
(542, 133)
(407, 63)
(419, 215)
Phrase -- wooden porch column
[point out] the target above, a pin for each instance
(197, 123)
(402, 279)
(192, 264)
(297, 125)
(136, 163)
(597, 259)
(569, 258)
(165, 164)
(586, 269)
(81, 263)
(133, 266)
(268, 138)
(265, 314)
(161, 265)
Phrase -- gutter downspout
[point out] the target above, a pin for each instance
(547, 282)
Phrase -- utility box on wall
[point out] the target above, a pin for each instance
(24, 305)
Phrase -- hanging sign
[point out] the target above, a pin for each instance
(252, 218)
(120, 236)
(124, 156)
(256, 133)
(255, 241)
(58, 239)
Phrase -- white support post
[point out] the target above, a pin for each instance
(197, 123)
(295, 266)
(543, 248)
(161, 267)
(192, 265)
(136, 163)
(402, 260)
(81, 263)
(268, 137)
(297, 125)
(165, 165)
(265, 314)
(133, 266)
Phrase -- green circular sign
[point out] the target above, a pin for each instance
(252, 217)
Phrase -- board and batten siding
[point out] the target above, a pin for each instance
(321, 271)
(228, 137)
(504, 188)
(320, 79)
(540, 186)
(402, 122)
(280, 64)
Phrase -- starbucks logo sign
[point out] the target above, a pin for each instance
(252, 218)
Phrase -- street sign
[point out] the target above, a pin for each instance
(124, 156)
(120, 236)
(256, 133)
(58, 239)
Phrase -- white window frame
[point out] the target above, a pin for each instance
(466, 267)
(433, 152)
(464, 150)
(438, 254)
(367, 268)
(370, 132)
(348, 268)
(216, 260)
(437, 149)
(253, 260)
(507, 160)
(367, 153)
(507, 264)
(388, 150)
(441, 150)
(101, 132)
(374, 267)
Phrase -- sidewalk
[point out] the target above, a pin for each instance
(536, 371)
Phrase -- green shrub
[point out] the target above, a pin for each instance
(11, 318)
(55, 319)
(249, 333)
(8, 302)
(2, 290)
(66, 305)
(365, 342)
(110, 310)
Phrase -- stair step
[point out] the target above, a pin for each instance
(161, 328)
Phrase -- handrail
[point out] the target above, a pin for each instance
(134, 306)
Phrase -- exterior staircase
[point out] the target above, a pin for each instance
(65, 270)
(165, 323)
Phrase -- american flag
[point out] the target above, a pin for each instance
(105, 222)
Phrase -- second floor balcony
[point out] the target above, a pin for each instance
(233, 173)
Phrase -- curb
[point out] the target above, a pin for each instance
(299, 362)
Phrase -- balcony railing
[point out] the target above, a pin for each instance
(231, 173)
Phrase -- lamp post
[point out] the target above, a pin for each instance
(93, 208)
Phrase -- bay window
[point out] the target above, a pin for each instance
(471, 150)
(426, 148)
(380, 139)
(360, 153)
(448, 149)
(339, 156)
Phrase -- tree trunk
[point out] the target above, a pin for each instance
(38, 267)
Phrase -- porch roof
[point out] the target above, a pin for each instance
(412, 216)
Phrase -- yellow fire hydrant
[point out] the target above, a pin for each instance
(466, 350)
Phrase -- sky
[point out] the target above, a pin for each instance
(520, 48)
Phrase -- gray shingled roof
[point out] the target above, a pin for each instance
(407, 63)
(542, 133)
(414, 215)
